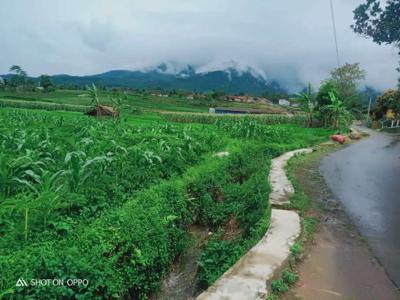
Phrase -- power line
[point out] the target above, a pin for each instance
(335, 34)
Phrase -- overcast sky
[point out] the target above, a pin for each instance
(288, 40)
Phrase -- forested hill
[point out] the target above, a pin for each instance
(229, 80)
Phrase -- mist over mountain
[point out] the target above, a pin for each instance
(232, 79)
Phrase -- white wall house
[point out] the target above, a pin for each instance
(284, 102)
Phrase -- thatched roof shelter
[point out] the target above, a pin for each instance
(103, 111)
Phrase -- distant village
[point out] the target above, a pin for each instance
(234, 98)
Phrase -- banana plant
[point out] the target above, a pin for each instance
(308, 103)
(337, 111)
(93, 95)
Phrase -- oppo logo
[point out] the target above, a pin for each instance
(52, 282)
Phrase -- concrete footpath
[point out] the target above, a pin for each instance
(248, 278)
(282, 188)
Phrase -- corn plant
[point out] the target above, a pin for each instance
(78, 170)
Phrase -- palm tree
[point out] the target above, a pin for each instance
(308, 103)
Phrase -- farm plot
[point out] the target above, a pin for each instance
(111, 203)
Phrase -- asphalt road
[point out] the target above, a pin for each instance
(366, 178)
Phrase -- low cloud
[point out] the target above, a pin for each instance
(291, 41)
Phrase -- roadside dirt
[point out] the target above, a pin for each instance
(338, 263)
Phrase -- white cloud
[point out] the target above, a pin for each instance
(288, 40)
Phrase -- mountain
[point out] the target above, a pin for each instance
(232, 79)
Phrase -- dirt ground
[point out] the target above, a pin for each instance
(338, 263)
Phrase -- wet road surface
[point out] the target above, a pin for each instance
(365, 176)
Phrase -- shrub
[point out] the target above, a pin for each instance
(279, 286)
(289, 277)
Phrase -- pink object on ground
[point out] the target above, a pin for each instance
(338, 138)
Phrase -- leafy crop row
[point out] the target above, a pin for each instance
(271, 119)
(111, 203)
(51, 181)
(42, 105)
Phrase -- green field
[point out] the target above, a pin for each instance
(144, 102)
(111, 201)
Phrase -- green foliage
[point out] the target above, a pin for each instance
(296, 249)
(272, 119)
(338, 97)
(346, 79)
(111, 202)
(93, 95)
(279, 286)
(331, 110)
(42, 105)
(19, 81)
(46, 83)
(289, 277)
(308, 103)
(390, 100)
(377, 22)
(323, 97)
(236, 196)
(310, 226)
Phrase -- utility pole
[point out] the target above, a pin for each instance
(369, 110)
(335, 34)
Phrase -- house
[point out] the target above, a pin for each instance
(284, 102)
(243, 99)
(103, 111)
(295, 104)
(239, 111)
(263, 101)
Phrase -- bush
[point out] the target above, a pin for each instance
(279, 286)
(289, 277)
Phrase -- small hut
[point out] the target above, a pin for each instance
(103, 111)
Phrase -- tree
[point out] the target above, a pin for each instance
(217, 95)
(18, 70)
(372, 20)
(2, 83)
(46, 83)
(323, 97)
(308, 103)
(20, 78)
(346, 79)
(390, 100)
(379, 20)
